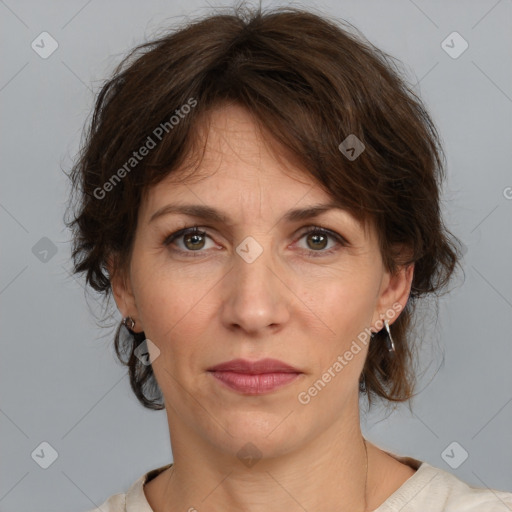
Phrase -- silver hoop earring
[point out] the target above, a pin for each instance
(391, 344)
(129, 322)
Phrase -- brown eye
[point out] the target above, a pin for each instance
(317, 241)
(194, 241)
(188, 240)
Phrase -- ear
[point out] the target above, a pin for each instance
(122, 292)
(394, 294)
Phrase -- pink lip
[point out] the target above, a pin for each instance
(254, 377)
(254, 367)
(254, 384)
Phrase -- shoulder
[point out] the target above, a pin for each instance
(134, 499)
(116, 503)
(436, 490)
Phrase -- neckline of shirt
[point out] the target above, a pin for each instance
(136, 500)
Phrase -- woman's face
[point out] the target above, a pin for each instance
(255, 286)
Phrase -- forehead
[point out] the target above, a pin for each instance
(234, 145)
(232, 153)
(237, 167)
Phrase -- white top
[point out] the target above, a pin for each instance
(430, 489)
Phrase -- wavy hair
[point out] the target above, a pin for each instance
(309, 82)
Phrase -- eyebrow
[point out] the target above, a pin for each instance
(212, 214)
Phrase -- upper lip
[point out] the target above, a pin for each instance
(254, 367)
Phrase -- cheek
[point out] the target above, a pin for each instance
(344, 303)
(345, 310)
(177, 319)
(176, 311)
(165, 293)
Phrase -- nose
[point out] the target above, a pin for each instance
(256, 297)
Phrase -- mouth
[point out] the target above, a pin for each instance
(254, 377)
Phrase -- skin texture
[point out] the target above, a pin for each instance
(295, 302)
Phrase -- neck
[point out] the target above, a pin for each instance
(329, 473)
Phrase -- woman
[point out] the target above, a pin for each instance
(260, 192)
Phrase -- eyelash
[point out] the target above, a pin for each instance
(316, 230)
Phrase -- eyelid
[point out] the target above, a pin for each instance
(320, 229)
(191, 230)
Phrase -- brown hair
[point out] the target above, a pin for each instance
(310, 84)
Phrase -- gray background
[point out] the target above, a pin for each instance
(60, 380)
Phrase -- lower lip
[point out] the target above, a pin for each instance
(254, 384)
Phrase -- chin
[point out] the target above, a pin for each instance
(266, 434)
